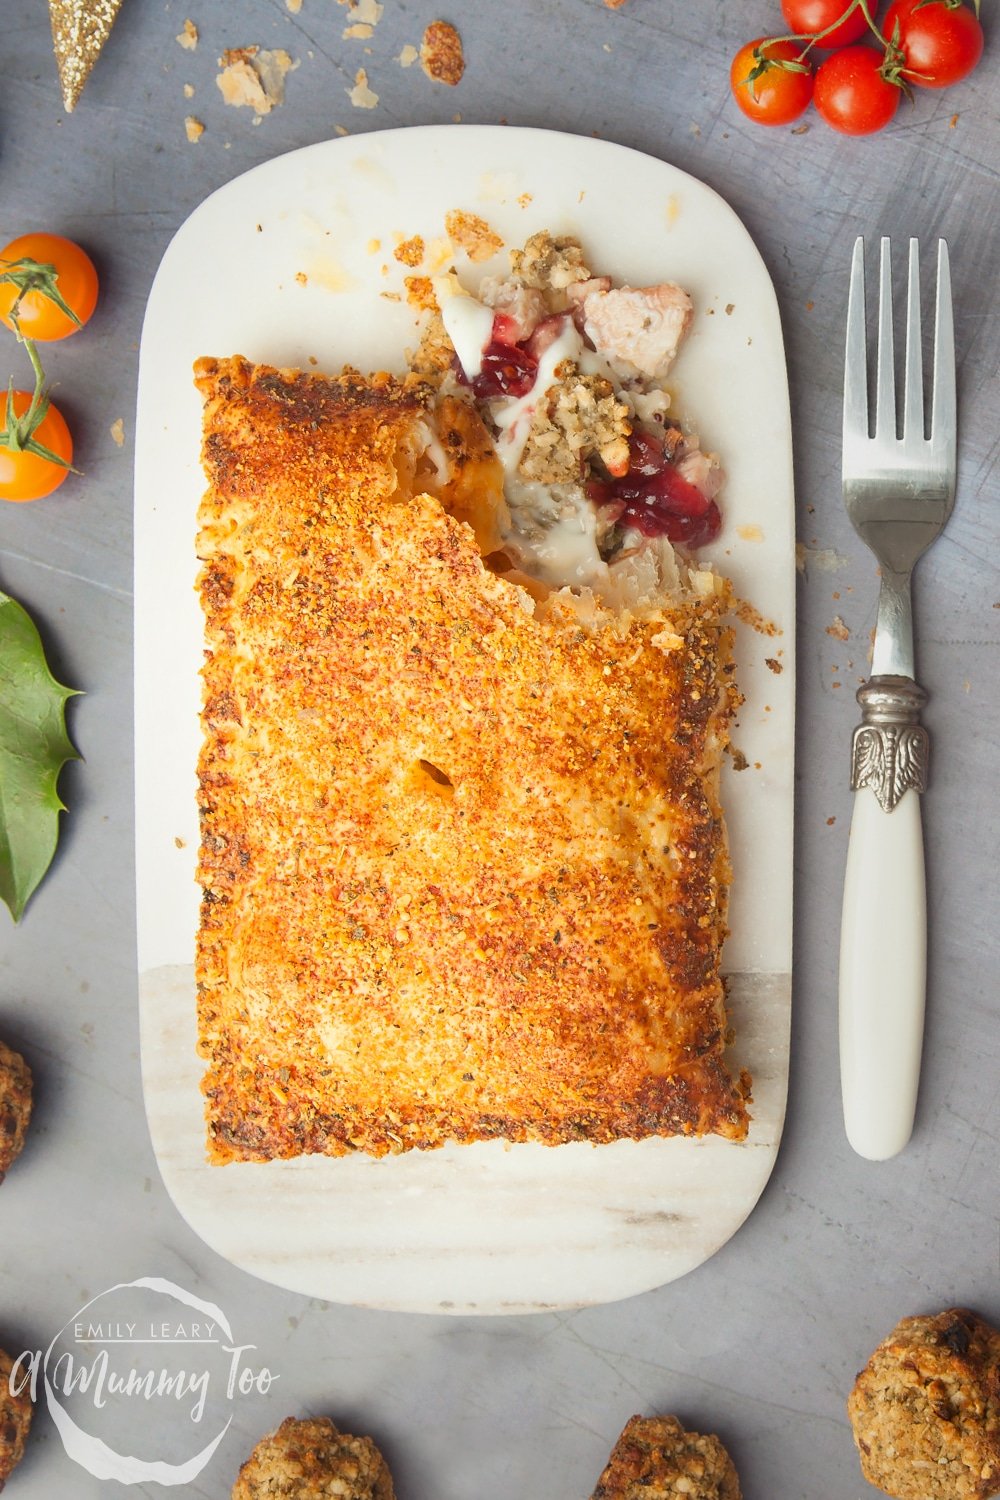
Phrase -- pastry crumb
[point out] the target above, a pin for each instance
(410, 252)
(194, 129)
(189, 91)
(420, 293)
(838, 630)
(188, 37)
(441, 55)
(364, 12)
(361, 96)
(254, 78)
(359, 31)
(408, 56)
(117, 430)
(472, 234)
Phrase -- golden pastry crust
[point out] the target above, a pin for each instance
(925, 1410)
(309, 1459)
(15, 1421)
(656, 1459)
(15, 1106)
(463, 862)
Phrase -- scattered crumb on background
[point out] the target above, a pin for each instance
(117, 431)
(254, 78)
(361, 96)
(824, 559)
(364, 12)
(408, 56)
(193, 128)
(838, 630)
(441, 54)
(188, 38)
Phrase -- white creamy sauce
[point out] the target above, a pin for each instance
(554, 533)
(469, 325)
(513, 414)
(432, 449)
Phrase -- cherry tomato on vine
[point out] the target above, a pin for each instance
(764, 89)
(28, 476)
(941, 40)
(38, 272)
(808, 17)
(852, 94)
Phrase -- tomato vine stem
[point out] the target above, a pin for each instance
(18, 432)
(35, 276)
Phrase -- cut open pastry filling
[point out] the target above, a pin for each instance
(579, 478)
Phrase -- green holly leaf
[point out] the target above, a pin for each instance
(34, 747)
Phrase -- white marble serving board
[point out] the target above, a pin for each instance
(289, 264)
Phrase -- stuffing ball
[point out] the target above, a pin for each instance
(926, 1409)
(15, 1419)
(656, 1459)
(15, 1106)
(311, 1460)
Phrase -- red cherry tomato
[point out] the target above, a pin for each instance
(779, 94)
(29, 476)
(941, 41)
(851, 93)
(810, 17)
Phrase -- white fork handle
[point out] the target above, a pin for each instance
(883, 965)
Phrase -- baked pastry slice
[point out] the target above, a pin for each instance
(463, 860)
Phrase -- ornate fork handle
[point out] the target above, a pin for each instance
(883, 941)
(891, 748)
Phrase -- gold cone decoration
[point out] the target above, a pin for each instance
(79, 30)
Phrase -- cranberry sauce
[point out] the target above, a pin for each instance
(654, 498)
(507, 368)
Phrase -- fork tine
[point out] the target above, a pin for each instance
(885, 379)
(913, 399)
(856, 363)
(943, 416)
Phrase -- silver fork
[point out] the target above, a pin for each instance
(899, 492)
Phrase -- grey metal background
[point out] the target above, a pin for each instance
(762, 1343)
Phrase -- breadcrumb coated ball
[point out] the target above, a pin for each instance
(308, 1459)
(657, 1459)
(15, 1420)
(15, 1106)
(926, 1409)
